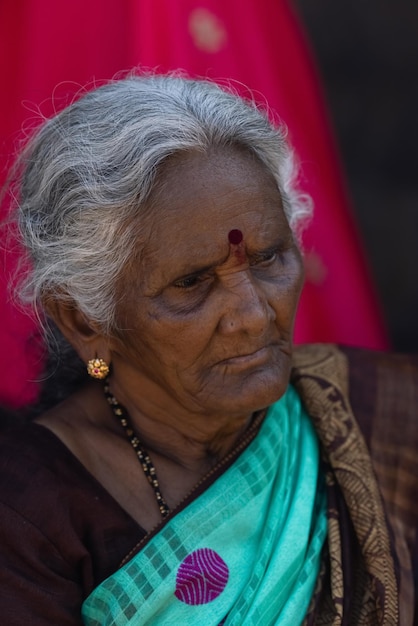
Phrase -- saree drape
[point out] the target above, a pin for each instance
(246, 551)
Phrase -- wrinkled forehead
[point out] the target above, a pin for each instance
(200, 199)
(192, 185)
(203, 169)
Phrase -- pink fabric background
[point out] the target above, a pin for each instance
(49, 47)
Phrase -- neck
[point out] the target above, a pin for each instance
(194, 441)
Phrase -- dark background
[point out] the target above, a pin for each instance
(367, 53)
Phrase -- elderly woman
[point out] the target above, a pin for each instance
(190, 482)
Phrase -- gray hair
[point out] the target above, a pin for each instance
(88, 172)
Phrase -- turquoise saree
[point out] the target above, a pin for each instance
(246, 551)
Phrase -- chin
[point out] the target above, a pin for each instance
(256, 392)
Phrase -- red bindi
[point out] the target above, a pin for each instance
(237, 246)
(235, 236)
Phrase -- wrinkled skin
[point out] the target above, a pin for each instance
(207, 326)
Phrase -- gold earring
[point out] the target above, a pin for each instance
(97, 368)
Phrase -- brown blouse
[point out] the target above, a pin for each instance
(61, 533)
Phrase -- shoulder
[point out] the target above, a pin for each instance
(41, 549)
(384, 395)
(381, 391)
(381, 388)
(39, 474)
(384, 400)
(58, 523)
(376, 394)
(364, 405)
(27, 450)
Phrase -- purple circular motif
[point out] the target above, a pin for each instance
(201, 577)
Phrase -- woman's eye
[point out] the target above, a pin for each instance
(267, 258)
(188, 282)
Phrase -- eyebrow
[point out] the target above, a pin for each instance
(198, 270)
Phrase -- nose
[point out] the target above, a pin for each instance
(245, 305)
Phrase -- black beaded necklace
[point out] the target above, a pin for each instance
(147, 465)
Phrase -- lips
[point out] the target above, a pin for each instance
(249, 358)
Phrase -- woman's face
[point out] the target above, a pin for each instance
(206, 323)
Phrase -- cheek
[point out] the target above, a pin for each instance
(154, 340)
(170, 338)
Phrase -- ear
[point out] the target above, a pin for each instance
(85, 336)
